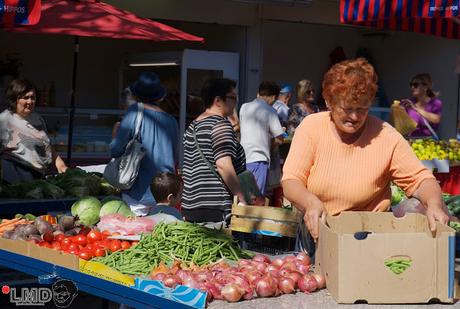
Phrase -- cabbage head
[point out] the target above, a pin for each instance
(87, 210)
(116, 207)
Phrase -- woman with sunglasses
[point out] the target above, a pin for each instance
(345, 159)
(25, 147)
(424, 107)
(304, 106)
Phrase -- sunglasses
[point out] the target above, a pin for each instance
(415, 84)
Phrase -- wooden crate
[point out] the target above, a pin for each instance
(262, 219)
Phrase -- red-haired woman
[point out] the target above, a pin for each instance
(345, 159)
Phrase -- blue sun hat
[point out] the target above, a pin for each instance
(286, 88)
(148, 87)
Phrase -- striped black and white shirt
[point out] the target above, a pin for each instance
(202, 188)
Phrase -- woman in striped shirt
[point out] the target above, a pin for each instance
(212, 157)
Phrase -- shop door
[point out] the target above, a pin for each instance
(197, 66)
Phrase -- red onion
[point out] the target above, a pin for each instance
(203, 276)
(303, 269)
(272, 270)
(302, 256)
(260, 266)
(321, 280)
(214, 290)
(286, 285)
(171, 281)
(289, 258)
(266, 286)
(247, 268)
(183, 274)
(278, 262)
(284, 272)
(159, 276)
(307, 284)
(244, 262)
(232, 292)
(295, 276)
(253, 276)
(289, 266)
(191, 282)
(242, 281)
(261, 258)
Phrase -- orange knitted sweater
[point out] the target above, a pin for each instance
(357, 176)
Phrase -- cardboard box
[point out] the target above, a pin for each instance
(355, 269)
(265, 220)
(40, 253)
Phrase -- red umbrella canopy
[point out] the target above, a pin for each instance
(92, 18)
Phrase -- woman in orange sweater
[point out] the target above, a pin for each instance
(345, 159)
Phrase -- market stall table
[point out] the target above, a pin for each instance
(47, 273)
(10, 207)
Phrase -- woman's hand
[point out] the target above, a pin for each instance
(60, 165)
(436, 213)
(314, 212)
(429, 193)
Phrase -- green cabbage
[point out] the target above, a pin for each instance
(87, 210)
(116, 207)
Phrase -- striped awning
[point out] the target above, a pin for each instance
(434, 17)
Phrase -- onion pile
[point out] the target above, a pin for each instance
(258, 277)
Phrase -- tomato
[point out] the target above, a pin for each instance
(73, 246)
(105, 243)
(65, 246)
(98, 251)
(115, 234)
(133, 243)
(115, 245)
(47, 245)
(90, 246)
(66, 240)
(59, 237)
(74, 251)
(80, 240)
(105, 234)
(56, 245)
(125, 245)
(49, 237)
(85, 254)
(94, 236)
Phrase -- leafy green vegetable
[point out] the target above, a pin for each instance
(116, 207)
(87, 210)
(397, 195)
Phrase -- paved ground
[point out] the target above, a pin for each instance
(318, 300)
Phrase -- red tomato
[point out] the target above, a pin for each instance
(115, 245)
(133, 243)
(94, 236)
(125, 245)
(66, 240)
(73, 246)
(90, 246)
(59, 237)
(56, 245)
(85, 254)
(80, 240)
(105, 234)
(106, 243)
(74, 251)
(98, 251)
(64, 246)
(47, 245)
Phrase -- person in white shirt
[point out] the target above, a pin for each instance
(259, 125)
